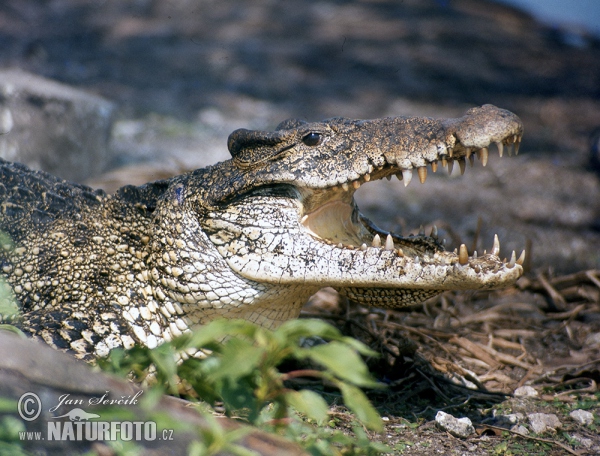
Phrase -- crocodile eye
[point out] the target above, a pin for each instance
(312, 139)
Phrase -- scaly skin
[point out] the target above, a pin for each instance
(252, 237)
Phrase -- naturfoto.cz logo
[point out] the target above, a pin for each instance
(87, 426)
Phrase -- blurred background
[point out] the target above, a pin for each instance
(169, 80)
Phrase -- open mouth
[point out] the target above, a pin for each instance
(332, 216)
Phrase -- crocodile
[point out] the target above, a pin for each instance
(252, 237)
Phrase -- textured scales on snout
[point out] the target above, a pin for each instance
(252, 237)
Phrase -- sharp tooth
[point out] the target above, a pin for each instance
(376, 242)
(389, 242)
(422, 171)
(340, 245)
(421, 231)
(496, 247)
(469, 152)
(304, 219)
(513, 260)
(399, 176)
(463, 256)
(521, 258)
(500, 148)
(417, 261)
(389, 178)
(450, 152)
(463, 164)
(407, 175)
(517, 144)
(475, 254)
(400, 252)
(356, 185)
(444, 162)
(483, 155)
(450, 166)
(434, 166)
(345, 186)
(367, 177)
(434, 232)
(363, 247)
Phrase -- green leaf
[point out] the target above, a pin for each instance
(163, 357)
(343, 362)
(308, 403)
(238, 396)
(7, 405)
(238, 359)
(12, 329)
(296, 329)
(218, 330)
(358, 403)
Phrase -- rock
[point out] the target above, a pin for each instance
(582, 417)
(585, 442)
(592, 340)
(512, 418)
(542, 422)
(520, 429)
(458, 427)
(50, 126)
(526, 391)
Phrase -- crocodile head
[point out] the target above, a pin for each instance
(289, 215)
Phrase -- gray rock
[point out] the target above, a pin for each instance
(520, 429)
(528, 391)
(50, 126)
(582, 417)
(458, 427)
(585, 442)
(511, 418)
(593, 340)
(542, 422)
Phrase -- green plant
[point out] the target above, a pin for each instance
(237, 365)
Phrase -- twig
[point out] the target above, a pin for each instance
(556, 299)
(591, 275)
(476, 350)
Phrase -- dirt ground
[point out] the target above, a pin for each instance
(186, 73)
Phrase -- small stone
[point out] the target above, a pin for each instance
(583, 441)
(542, 422)
(458, 427)
(528, 391)
(520, 429)
(582, 417)
(592, 340)
(512, 418)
